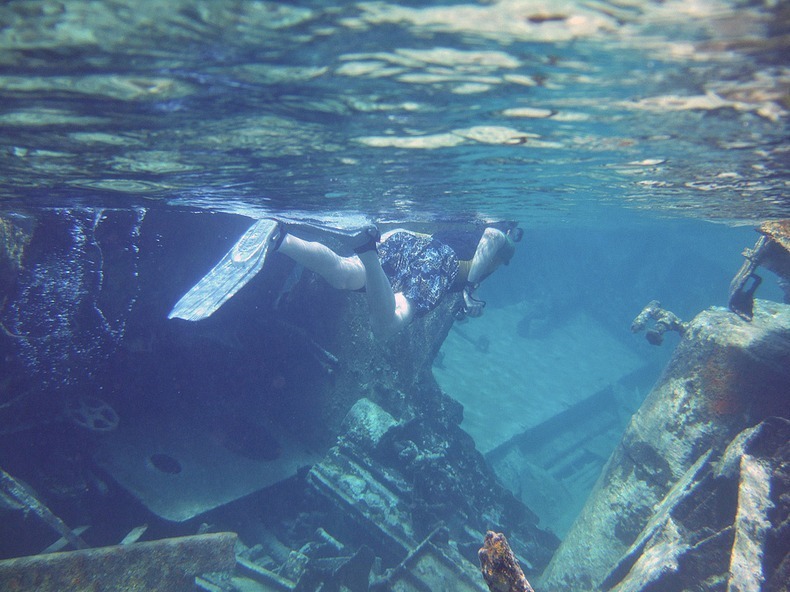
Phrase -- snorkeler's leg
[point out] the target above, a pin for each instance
(490, 243)
(344, 273)
(389, 312)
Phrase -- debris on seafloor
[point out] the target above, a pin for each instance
(431, 563)
(21, 495)
(91, 413)
(381, 542)
(500, 567)
(62, 543)
(664, 321)
(134, 535)
(772, 251)
(169, 564)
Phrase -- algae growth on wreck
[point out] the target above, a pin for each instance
(278, 444)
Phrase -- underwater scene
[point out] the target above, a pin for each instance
(416, 295)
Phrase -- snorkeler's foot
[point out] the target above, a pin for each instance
(368, 236)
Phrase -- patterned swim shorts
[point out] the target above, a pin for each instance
(420, 267)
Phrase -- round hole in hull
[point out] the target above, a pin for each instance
(165, 463)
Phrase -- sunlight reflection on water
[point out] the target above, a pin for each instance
(494, 108)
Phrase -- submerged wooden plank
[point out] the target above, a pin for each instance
(158, 566)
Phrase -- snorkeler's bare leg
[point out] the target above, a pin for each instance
(344, 273)
(490, 243)
(389, 311)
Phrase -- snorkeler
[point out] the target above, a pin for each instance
(404, 273)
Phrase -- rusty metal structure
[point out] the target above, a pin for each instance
(664, 321)
(500, 567)
(772, 251)
(169, 564)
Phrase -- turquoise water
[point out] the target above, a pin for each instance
(637, 143)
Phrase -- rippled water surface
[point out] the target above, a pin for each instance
(516, 108)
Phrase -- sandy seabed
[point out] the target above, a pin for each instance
(509, 383)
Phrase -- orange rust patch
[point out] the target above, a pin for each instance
(724, 386)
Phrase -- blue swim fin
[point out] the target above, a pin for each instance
(239, 265)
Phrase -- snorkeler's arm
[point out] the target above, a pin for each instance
(485, 260)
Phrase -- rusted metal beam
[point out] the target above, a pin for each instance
(168, 564)
(25, 498)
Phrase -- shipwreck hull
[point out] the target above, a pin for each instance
(726, 376)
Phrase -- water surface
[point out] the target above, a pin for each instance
(509, 108)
